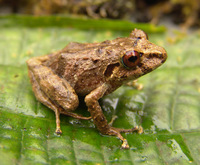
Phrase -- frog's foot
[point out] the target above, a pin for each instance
(58, 131)
(137, 129)
(117, 132)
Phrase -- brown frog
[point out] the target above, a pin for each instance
(92, 70)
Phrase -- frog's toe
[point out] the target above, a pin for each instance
(117, 132)
(58, 131)
(125, 144)
(137, 129)
(140, 129)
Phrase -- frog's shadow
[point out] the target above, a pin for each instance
(82, 109)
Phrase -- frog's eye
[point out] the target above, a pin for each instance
(130, 59)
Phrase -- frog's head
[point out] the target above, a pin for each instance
(138, 59)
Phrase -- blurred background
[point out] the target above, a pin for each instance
(168, 107)
(184, 13)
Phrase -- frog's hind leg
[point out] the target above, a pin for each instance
(45, 100)
(52, 91)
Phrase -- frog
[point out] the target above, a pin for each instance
(92, 70)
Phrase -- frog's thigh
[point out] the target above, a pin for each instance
(51, 86)
(40, 95)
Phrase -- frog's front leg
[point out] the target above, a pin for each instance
(99, 118)
(51, 90)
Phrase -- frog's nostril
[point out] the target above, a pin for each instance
(160, 56)
(164, 55)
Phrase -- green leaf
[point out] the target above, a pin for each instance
(168, 107)
(76, 22)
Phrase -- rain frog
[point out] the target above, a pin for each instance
(92, 70)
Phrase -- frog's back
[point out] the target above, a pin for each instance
(85, 66)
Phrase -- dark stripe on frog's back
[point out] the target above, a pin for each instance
(95, 52)
(75, 48)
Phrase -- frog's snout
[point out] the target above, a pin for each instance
(160, 53)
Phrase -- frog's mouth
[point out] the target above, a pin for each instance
(152, 59)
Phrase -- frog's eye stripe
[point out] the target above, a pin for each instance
(130, 59)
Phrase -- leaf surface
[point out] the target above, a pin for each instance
(168, 107)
